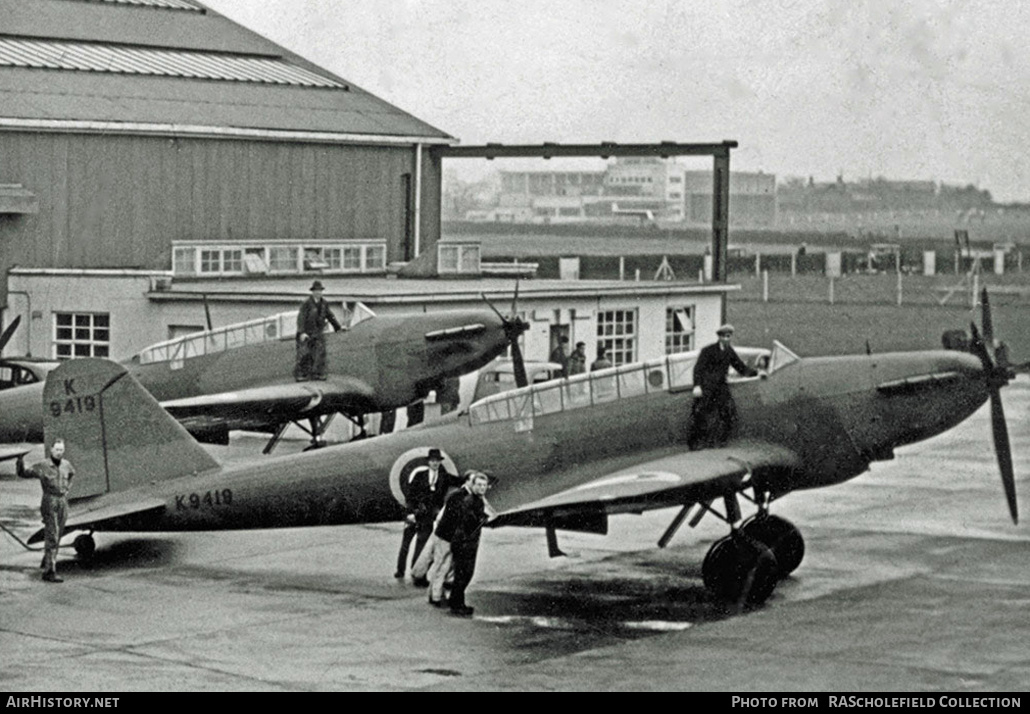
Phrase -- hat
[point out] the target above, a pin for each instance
(317, 285)
(435, 454)
(726, 329)
(581, 344)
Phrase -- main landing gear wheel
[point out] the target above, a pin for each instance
(738, 570)
(780, 536)
(85, 546)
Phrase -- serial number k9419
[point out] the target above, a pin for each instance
(73, 405)
(210, 499)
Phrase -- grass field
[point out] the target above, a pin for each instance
(798, 313)
(812, 329)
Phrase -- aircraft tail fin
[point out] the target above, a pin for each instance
(116, 434)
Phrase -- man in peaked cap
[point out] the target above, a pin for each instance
(311, 321)
(714, 412)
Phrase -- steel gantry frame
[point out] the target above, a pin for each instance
(720, 154)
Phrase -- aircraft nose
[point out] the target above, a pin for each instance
(963, 362)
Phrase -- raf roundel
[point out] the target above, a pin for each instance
(407, 462)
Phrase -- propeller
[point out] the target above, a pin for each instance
(9, 333)
(513, 327)
(996, 376)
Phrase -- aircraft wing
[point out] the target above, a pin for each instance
(268, 404)
(688, 477)
(8, 453)
(95, 516)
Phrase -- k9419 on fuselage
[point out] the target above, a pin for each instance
(564, 454)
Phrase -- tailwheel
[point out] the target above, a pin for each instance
(780, 536)
(85, 546)
(740, 570)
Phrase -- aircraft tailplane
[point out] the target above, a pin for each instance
(116, 434)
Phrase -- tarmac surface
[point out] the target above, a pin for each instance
(914, 580)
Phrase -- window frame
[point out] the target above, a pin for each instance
(88, 330)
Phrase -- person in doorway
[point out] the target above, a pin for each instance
(714, 417)
(559, 355)
(464, 516)
(602, 361)
(311, 321)
(578, 359)
(55, 476)
(424, 494)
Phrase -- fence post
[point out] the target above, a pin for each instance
(758, 264)
(831, 289)
(622, 267)
(765, 285)
(976, 289)
(638, 275)
(899, 288)
(793, 264)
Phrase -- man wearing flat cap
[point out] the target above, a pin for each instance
(311, 321)
(714, 412)
(425, 490)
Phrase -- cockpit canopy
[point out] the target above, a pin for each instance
(670, 373)
(281, 326)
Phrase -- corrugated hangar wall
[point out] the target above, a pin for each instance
(119, 201)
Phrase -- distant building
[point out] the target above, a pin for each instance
(629, 190)
(878, 201)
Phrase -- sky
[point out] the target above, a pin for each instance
(921, 90)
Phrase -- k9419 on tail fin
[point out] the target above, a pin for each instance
(116, 433)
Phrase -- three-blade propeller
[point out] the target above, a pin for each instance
(9, 333)
(997, 375)
(513, 327)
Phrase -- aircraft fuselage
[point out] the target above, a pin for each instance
(836, 413)
(391, 356)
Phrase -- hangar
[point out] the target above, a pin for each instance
(159, 163)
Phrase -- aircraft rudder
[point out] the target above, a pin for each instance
(116, 433)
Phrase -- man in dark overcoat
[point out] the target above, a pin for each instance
(424, 493)
(714, 412)
(311, 322)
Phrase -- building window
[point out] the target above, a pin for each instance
(352, 257)
(210, 261)
(333, 258)
(617, 332)
(375, 257)
(679, 329)
(282, 259)
(81, 334)
(341, 257)
(184, 261)
(458, 258)
(232, 261)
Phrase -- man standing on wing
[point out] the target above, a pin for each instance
(714, 412)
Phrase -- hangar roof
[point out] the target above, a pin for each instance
(145, 64)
